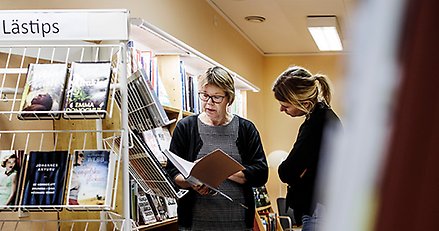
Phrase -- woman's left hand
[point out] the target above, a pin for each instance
(238, 177)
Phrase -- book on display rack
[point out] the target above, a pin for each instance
(43, 91)
(91, 179)
(87, 90)
(45, 179)
(11, 162)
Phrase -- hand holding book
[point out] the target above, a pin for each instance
(211, 170)
(207, 173)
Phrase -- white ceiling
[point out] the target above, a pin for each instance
(284, 31)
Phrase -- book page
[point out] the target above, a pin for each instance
(183, 166)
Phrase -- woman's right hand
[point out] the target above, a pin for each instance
(201, 189)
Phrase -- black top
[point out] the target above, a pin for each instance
(186, 143)
(299, 170)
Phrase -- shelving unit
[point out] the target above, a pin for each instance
(66, 44)
(264, 211)
(168, 52)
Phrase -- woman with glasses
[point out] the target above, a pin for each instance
(215, 127)
(301, 93)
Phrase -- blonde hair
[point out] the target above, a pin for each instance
(297, 85)
(221, 78)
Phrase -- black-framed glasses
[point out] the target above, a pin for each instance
(215, 98)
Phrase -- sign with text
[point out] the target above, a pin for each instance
(19, 25)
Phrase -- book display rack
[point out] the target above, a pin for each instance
(35, 66)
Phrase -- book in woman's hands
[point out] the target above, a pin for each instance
(210, 170)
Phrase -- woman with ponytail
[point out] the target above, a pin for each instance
(301, 93)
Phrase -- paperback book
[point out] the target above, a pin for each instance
(148, 171)
(10, 170)
(91, 179)
(43, 91)
(163, 137)
(153, 144)
(87, 90)
(145, 210)
(45, 179)
(171, 207)
(158, 207)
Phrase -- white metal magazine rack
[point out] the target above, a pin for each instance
(58, 36)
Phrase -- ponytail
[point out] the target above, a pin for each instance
(325, 89)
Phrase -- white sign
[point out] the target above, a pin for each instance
(63, 25)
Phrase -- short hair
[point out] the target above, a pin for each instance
(6, 160)
(297, 85)
(221, 78)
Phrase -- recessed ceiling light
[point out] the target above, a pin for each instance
(255, 18)
(325, 32)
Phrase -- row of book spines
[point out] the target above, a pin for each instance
(268, 220)
(189, 96)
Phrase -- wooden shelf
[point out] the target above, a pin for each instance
(158, 224)
(263, 208)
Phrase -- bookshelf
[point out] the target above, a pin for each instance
(266, 218)
(169, 56)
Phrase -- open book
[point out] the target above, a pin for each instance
(210, 170)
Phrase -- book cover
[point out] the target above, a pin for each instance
(43, 91)
(45, 178)
(10, 170)
(133, 200)
(87, 90)
(171, 207)
(153, 144)
(163, 137)
(91, 178)
(158, 207)
(211, 169)
(145, 210)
